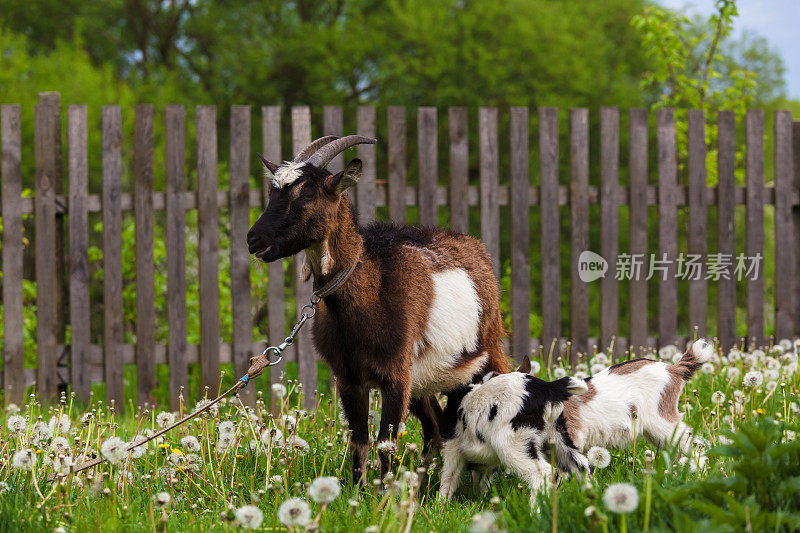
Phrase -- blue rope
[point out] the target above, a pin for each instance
(245, 379)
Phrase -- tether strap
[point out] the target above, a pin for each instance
(336, 282)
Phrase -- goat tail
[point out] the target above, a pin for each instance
(699, 352)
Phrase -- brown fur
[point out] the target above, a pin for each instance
(668, 404)
(629, 367)
(572, 410)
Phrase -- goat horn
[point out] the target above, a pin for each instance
(309, 150)
(324, 155)
(269, 164)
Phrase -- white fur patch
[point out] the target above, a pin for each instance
(452, 328)
(287, 174)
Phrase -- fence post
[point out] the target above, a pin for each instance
(726, 239)
(242, 348)
(609, 226)
(755, 222)
(520, 235)
(206, 117)
(579, 211)
(306, 354)
(667, 228)
(176, 255)
(489, 162)
(365, 189)
(79, 313)
(145, 270)
(459, 169)
(698, 223)
(47, 132)
(796, 217)
(428, 166)
(638, 227)
(332, 124)
(276, 307)
(13, 327)
(396, 118)
(784, 253)
(550, 239)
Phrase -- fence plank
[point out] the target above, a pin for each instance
(459, 169)
(396, 118)
(755, 221)
(551, 255)
(46, 132)
(490, 208)
(306, 354)
(112, 254)
(333, 124)
(13, 340)
(784, 253)
(206, 117)
(365, 189)
(796, 217)
(176, 258)
(579, 211)
(609, 224)
(667, 228)
(698, 223)
(145, 272)
(240, 256)
(520, 234)
(78, 249)
(427, 145)
(637, 285)
(726, 239)
(276, 307)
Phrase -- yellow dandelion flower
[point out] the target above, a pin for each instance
(177, 451)
(240, 456)
(761, 411)
(164, 445)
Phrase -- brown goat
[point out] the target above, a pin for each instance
(419, 314)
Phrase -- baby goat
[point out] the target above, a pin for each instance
(635, 398)
(511, 420)
(419, 314)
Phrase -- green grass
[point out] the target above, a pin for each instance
(122, 497)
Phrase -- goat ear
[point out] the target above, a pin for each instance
(525, 367)
(269, 164)
(345, 179)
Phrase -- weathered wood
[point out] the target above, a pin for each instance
(112, 254)
(579, 218)
(698, 223)
(520, 234)
(206, 117)
(637, 284)
(755, 222)
(306, 353)
(176, 255)
(276, 307)
(784, 252)
(396, 118)
(79, 314)
(609, 225)
(551, 255)
(240, 256)
(667, 229)
(333, 124)
(726, 239)
(796, 219)
(459, 169)
(13, 328)
(428, 165)
(365, 189)
(47, 136)
(489, 161)
(145, 272)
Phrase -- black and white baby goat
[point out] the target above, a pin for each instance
(514, 420)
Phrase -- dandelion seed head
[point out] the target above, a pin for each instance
(753, 379)
(387, 446)
(484, 522)
(718, 397)
(298, 444)
(249, 516)
(191, 444)
(165, 419)
(278, 390)
(59, 445)
(113, 450)
(294, 512)
(23, 460)
(228, 427)
(16, 424)
(559, 372)
(621, 498)
(324, 489)
(162, 499)
(59, 424)
(599, 456)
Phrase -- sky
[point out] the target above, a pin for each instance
(776, 20)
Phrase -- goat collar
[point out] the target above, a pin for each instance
(335, 283)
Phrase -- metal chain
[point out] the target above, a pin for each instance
(288, 341)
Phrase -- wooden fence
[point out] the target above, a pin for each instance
(82, 362)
